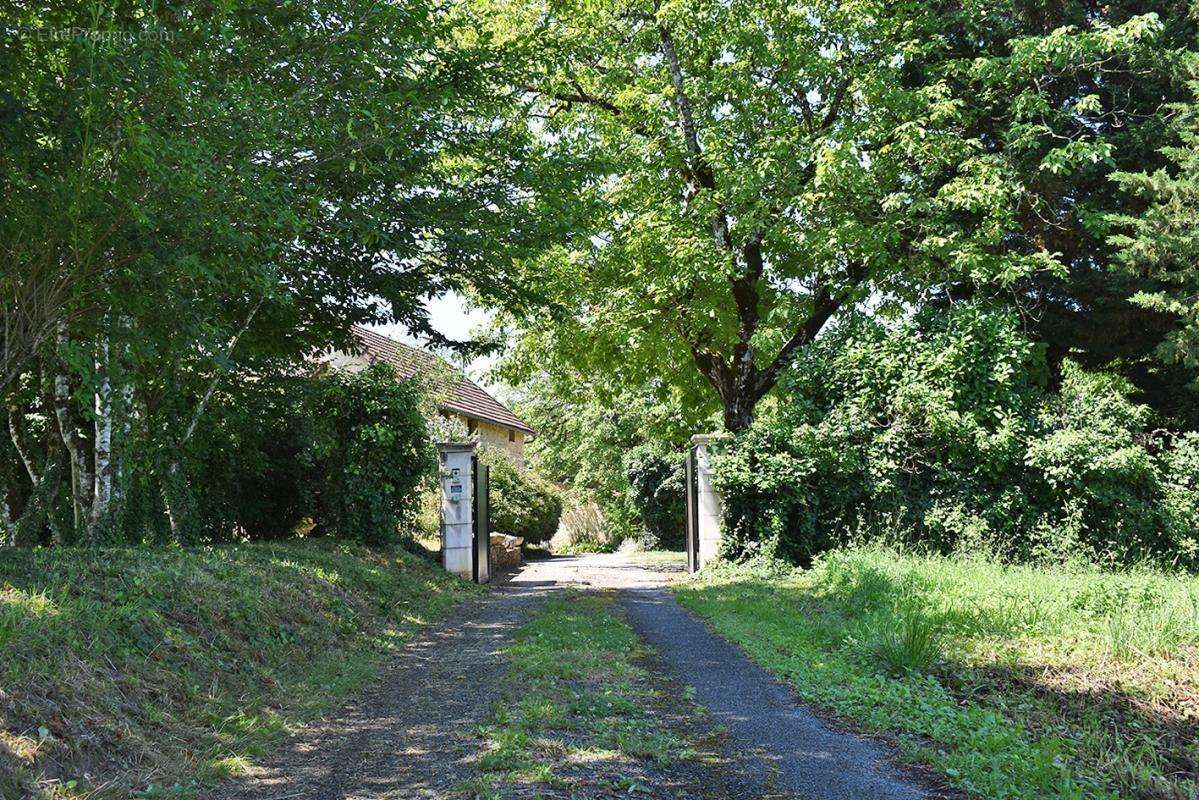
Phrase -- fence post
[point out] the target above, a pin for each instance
(457, 507)
(708, 509)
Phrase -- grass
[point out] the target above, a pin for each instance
(577, 709)
(1013, 682)
(673, 560)
(153, 672)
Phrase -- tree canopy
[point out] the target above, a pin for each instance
(190, 189)
(754, 169)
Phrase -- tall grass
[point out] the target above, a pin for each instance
(127, 671)
(1085, 611)
(1015, 681)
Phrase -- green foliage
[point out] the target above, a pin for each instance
(176, 666)
(347, 451)
(942, 430)
(1060, 97)
(190, 197)
(522, 503)
(1161, 241)
(910, 644)
(656, 490)
(370, 453)
(252, 465)
(586, 431)
(748, 170)
(1010, 681)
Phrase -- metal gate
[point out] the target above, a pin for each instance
(692, 508)
(481, 527)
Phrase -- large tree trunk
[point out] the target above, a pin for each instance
(739, 412)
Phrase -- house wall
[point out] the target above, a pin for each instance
(497, 436)
(341, 360)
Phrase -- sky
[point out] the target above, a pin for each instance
(450, 317)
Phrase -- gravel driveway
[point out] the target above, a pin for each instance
(779, 742)
(412, 735)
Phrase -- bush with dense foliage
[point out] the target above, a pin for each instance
(251, 469)
(522, 503)
(370, 454)
(656, 490)
(945, 430)
(346, 450)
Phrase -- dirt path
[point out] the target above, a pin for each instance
(414, 734)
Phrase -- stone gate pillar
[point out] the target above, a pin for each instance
(457, 507)
(708, 507)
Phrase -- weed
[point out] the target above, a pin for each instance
(910, 646)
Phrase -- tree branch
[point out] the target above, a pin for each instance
(834, 109)
(19, 444)
(198, 412)
(824, 305)
(582, 97)
(709, 363)
(744, 287)
(700, 171)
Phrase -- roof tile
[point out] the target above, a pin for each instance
(460, 394)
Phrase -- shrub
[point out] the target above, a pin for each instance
(943, 432)
(522, 504)
(370, 453)
(252, 471)
(347, 451)
(656, 489)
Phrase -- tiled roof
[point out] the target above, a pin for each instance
(458, 393)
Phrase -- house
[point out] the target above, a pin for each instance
(457, 397)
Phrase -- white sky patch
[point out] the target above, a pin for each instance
(451, 318)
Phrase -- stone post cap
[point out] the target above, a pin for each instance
(709, 438)
(456, 447)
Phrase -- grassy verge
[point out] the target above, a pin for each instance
(152, 672)
(579, 715)
(1014, 682)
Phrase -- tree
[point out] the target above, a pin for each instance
(592, 442)
(238, 186)
(753, 169)
(1063, 95)
(1162, 242)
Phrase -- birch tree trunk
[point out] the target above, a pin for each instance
(8, 526)
(102, 448)
(81, 473)
(20, 445)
